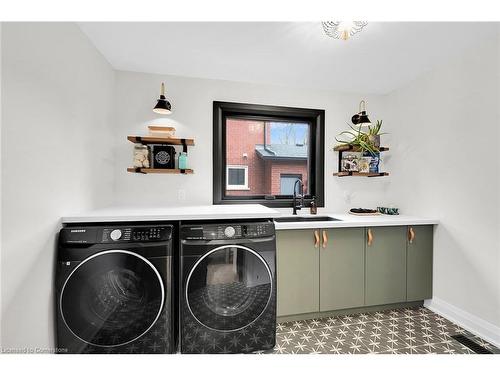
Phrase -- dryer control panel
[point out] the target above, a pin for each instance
(227, 231)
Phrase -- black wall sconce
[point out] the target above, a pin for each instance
(361, 118)
(163, 107)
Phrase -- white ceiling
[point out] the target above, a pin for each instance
(383, 57)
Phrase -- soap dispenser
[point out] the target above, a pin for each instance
(313, 208)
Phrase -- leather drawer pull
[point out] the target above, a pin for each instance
(370, 237)
(316, 238)
(411, 235)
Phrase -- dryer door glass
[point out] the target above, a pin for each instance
(229, 288)
(112, 298)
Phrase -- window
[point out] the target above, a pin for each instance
(260, 151)
(287, 183)
(237, 177)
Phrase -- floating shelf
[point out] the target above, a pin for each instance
(146, 140)
(166, 141)
(360, 174)
(351, 148)
(354, 149)
(160, 170)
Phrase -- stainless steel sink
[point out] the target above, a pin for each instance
(298, 219)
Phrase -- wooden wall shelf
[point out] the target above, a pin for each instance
(160, 170)
(347, 174)
(145, 140)
(351, 148)
(354, 149)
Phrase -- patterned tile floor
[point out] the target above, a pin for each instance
(401, 331)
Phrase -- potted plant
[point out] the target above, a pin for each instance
(367, 142)
(374, 134)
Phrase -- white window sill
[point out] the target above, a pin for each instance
(232, 188)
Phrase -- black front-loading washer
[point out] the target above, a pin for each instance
(114, 289)
(228, 287)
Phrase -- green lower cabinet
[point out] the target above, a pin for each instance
(297, 263)
(350, 268)
(419, 262)
(342, 269)
(385, 251)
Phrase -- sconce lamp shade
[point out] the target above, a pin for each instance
(361, 118)
(163, 106)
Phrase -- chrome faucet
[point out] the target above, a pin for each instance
(300, 196)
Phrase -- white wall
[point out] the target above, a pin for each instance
(498, 172)
(445, 163)
(192, 100)
(1, 183)
(56, 115)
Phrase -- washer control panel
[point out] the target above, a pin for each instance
(227, 231)
(135, 234)
(116, 234)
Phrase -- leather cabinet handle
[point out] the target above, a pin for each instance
(370, 237)
(325, 239)
(316, 238)
(411, 235)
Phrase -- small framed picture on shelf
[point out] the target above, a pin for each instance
(364, 164)
(374, 161)
(350, 161)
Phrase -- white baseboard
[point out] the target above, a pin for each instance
(480, 327)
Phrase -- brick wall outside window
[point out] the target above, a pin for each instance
(263, 176)
(285, 167)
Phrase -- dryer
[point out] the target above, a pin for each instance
(114, 289)
(228, 287)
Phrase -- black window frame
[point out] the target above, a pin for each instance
(316, 173)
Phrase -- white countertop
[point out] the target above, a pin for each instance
(237, 211)
(347, 220)
(215, 212)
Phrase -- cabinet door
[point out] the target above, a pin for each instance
(342, 268)
(385, 265)
(297, 272)
(419, 263)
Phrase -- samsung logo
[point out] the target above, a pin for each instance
(78, 230)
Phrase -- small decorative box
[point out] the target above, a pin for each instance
(163, 156)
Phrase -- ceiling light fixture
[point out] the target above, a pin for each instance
(163, 106)
(342, 29)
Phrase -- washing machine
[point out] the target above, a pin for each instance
(228, 287)
(114, 289)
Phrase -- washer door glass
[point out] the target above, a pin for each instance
(229, 288)
(112, 298)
